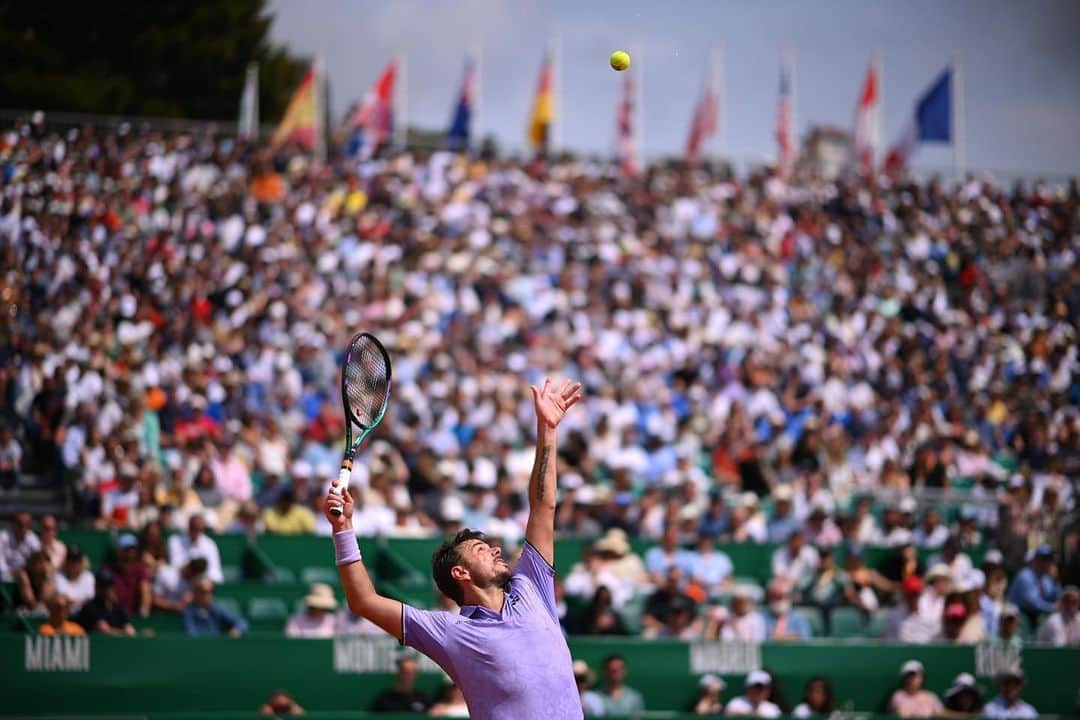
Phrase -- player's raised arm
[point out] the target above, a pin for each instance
(359, 591)
(551, 405)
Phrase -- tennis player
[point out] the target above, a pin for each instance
(505, 649)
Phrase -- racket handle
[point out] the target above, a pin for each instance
(344, 475)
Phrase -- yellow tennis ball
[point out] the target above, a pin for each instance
(620, 60)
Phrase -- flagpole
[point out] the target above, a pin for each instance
(716, 80)
(959, 160)
(320, 110)
(401, 115)
(555, 141)
(474, 131)
(877, 134)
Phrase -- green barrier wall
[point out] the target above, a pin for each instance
(407, 562)
(177, 674)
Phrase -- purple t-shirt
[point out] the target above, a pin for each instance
(511, 666)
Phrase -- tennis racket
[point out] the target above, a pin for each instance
(365, 393)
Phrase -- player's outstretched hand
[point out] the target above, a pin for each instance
(551, 405)
(336, 499)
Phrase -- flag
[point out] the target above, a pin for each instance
(457, 137)
(300, 124)
(786, 154)
(374, 118)
(931, 122)
(703, 123)
(867, 135)
(625, 137)
(248, 123)
(543, 110)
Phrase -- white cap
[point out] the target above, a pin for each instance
(711, 681)
(911, 666)
(782, 492)
(993, 557)
(964, 680)
(908, 504)
(301, 468)
(758, 677)
(940, 570)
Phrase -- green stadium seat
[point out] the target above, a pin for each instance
(876, 626)
(268, 609)
(232, 573)
(319, 574)
(229, 604)
(281, 575)
(847, 622)
(814, 618)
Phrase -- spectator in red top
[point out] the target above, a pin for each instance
(131, 577)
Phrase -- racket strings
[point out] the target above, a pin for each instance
(366, 382)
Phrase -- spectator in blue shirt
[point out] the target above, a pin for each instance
(710, 567)
(205, 617)
(780, 622)
(658, 560)
(715, 521)
(1034, 589)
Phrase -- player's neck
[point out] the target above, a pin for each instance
(491, 598)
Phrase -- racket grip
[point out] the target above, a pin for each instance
(344, 475)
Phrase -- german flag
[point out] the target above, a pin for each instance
(543, 109)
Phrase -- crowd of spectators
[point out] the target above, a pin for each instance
(823, 366)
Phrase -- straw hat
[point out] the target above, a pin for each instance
(321, 597)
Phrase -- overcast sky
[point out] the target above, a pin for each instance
(1021, 66)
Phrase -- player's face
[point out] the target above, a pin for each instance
(485, 564)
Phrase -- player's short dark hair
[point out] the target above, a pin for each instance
(446, 557)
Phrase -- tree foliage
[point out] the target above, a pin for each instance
(141, 57)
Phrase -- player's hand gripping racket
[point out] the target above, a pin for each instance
(365, 393)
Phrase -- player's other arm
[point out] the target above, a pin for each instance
(550, 405)
(359, 590)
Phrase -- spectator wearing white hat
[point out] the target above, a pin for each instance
(592, 703)
(912, 700)
(746, 623)
(754, 702)
(1008, 629)
(317, 618)
(997, 582)
(952, 555)
(1008, 704)
(970, 587)
(964, 696)
(710, 700)
(1063, 626)
(938, 584)
(783, 521)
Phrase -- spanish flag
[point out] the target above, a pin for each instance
(543, 110)
(300, 124)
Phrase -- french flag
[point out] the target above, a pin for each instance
(931, 122)
(457, 137)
